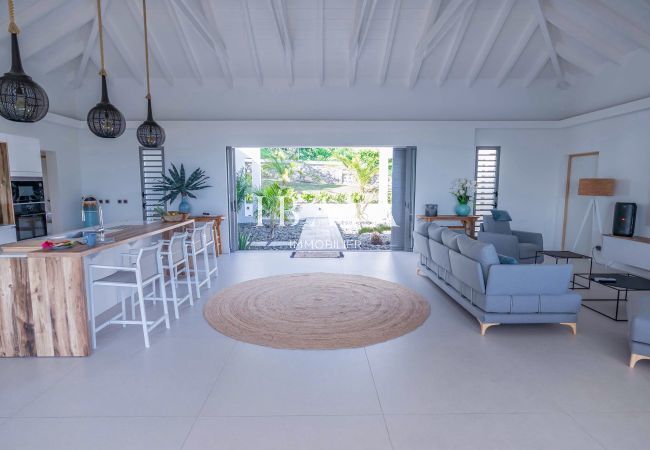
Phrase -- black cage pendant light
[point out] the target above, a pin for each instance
(150, 134)
(104, 120)
(21, 98)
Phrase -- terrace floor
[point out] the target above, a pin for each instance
(441, 386)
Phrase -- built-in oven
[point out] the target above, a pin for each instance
(29, 207)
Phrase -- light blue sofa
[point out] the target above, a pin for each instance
(638, 315)
(469, 271)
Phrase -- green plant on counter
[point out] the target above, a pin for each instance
(177, 184)
(244, 240)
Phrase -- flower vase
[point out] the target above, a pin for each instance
(463, 209)
(184, 206)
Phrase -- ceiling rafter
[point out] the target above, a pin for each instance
(135, 8)
(252, 45)
(188, 49)
(88, 48)
(578, 58)
(517, 50)
(73, 18)
(61, 56)
(135, 66)
(616, 21)
(279, 10)
(321, 46)
(457, 39)
(584, 35)
(536, 69)
(212, 37)
(25, 17)
(432, 36)
(489, 40)
(390, 39)
(548, 42)
(363, 16)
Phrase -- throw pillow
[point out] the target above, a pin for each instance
(501, 215)
(503, 259)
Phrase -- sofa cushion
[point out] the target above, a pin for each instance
(638, 310)
(493, 226)
(439, 254)
(528, 251)
(485, 254)
(450, 239)
(435, 232)
(421, 227)
(505, 259)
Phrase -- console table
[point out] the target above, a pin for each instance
(468, 222)
(216, 228)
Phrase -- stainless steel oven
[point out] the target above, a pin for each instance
(29, 207)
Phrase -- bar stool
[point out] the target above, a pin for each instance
(176, 262)
(208, 233)
(196, 247)
(147, 271)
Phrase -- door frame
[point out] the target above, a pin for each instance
(567, 190)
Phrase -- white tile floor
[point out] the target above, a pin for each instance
(442, 386)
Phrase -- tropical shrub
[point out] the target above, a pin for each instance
(244, 240)
(272, 205)
(244, 186)
(340, 197)
(308, 197)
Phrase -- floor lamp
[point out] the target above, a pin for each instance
(594, 188)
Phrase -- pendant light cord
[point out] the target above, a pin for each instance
(146, 48)
(102, 71)
(13, 28)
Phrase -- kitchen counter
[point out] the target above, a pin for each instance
(119, 235)
(43, 302)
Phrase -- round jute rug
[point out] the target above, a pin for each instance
(316, 311)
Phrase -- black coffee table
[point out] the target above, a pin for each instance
(567, 255)
(625, 282)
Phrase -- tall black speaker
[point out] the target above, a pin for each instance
(624, 218)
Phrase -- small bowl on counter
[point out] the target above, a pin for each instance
(175, 216)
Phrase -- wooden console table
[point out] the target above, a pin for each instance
(216, 229)
(468, 222)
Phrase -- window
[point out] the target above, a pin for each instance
(487, 181)
(152, 165)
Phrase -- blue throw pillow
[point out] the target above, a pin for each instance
(501, 215)
(503, 259)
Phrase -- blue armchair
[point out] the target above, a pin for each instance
(521, 245)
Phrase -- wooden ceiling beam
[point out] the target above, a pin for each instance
(211, 37)
(548, 43)
(432, 37)
(252, 45)
(489, 40)
(135, 8)
(517, 50)
(390, 39)
(88, 48)
(363, 16)
(279, 10)
(457, 39)
(184, 39)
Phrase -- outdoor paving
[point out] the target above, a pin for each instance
(320, 233)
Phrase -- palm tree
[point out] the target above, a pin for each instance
(277, 162)
(365, 170)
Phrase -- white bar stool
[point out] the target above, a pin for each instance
(196, 247)
(146, 271)
(208, 234)
(176, 262)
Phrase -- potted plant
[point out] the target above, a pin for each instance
(176, 184)
(463, 189)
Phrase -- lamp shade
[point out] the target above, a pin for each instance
(596, 187)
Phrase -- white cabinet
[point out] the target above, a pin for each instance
(24, 157)
(7, 234)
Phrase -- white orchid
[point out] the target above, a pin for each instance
(463, 189)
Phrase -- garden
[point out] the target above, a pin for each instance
(279, 189)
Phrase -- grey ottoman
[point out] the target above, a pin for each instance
(638, 314)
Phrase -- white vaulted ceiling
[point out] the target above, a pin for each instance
(341, 59)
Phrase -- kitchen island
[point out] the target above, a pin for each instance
(43, 301)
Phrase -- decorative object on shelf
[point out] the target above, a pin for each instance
(174, 216)
(104, 120)
(593, 187)
(150, 134)
(624, 219)
(463, 189)
(21, 98)
(430, 210)
(176, 184)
